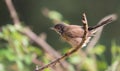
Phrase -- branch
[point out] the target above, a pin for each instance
(94, 40)
(85, 24)
(47, 48)
(106, 20)
(13, 12)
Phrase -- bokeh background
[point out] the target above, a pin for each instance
(30, 14)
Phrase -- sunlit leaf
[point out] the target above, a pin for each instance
(75, 59)
(28, 59)
(2, 67)
(54, 15)
(20, 65)
(99, 49)
(102, 65)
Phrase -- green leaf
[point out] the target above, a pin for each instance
(113, 49)
(54, 15)
(2, 67)
(9, 55)
(99, 49)
(102, 65)
(20, 64)
(75, 59)
(28, 59)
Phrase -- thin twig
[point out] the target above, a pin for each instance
(85, 24)
(114, 67)
(94, 40)
(106, 20)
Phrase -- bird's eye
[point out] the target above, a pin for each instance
(58, 28)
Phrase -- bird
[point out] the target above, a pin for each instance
(73, 34)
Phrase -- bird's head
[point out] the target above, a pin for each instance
(59, 28)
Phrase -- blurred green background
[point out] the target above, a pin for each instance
(30, 14)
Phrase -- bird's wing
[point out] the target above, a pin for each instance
(74, 31)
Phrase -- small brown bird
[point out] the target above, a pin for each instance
(73, 33)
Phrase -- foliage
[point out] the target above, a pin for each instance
(15, 50)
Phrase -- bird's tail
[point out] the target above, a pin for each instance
(106, 20)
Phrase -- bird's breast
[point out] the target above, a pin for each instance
(74, 42)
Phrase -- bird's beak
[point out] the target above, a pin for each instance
(52, 28)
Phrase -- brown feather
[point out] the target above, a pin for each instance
(74, 31)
